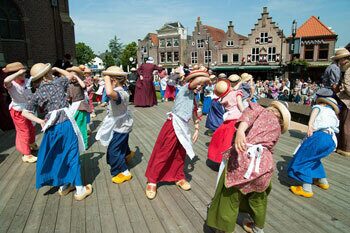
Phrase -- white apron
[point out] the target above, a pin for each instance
(182, 132)
(105, 132)
(77, 132)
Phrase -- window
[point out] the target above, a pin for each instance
(144, 49)
(323, 51)
(162, 43)
(271, 56)
(176, 56)
(207, 56)
(10, 21)
(162, 57)
(264, 37)
(169, 57)
(235, 57)
(229, 43)
(176, 42)
(169, 42)
(255, 54)
(194, 57)
(309, 52)
(200, 43)
(224, 58)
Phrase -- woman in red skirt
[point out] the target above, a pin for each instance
(231, 100)
(15, 83)
(174, 140)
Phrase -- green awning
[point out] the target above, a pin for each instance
(319, 64)
(245, 68)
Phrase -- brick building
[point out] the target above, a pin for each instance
(148, 47)
(317, 46)
(203, 47)
(172, 44)
(231, 48)
(35, 31)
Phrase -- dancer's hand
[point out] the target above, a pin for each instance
(240, 141)
(141, 77)
(42, 123)
(195, 135)
(310, 131)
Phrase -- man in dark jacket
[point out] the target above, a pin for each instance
(132, 78)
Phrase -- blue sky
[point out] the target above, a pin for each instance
(97, 21)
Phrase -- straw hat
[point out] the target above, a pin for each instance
(82, 67)
(13, 67)
(330, 101)
(222, 75)
(133, 69)
(212, 77)
(75, 69)
(114, 71)
(340, 53)
(39, 70)
(222, 88)
(246, 77)
(195, 74)
(286, 117)
(234, 78)
(87, 71)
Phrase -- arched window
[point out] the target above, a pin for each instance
(10, 21)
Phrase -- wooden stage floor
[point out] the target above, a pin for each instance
(125, 208)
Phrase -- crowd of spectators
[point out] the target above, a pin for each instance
(302, 92)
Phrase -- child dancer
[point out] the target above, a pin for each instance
(57, 165)
(216, 112)
(79, 106)
(25, 131)
(231, 100)
(208, 95)
(115, 128)
(246, 181)
(306, 166)
(163, 83)
(247, 88)
(174, 140)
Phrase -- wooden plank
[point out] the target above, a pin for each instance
(17, 208)
(36, 214)
(50, 212)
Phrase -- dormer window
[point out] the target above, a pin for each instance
(264, 37)
(229, 43)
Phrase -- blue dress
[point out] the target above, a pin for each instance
(306, 163)
(215, 115)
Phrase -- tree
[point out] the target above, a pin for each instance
(116, 48)
(108, 59)
(130, 50)
(84, 53)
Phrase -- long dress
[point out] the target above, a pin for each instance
(145, 93)
(306, 163)
(344, 116)
(222, 137)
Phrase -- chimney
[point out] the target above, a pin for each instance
(265, 10)
(198, 23)
(230, 28)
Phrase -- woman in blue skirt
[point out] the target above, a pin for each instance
(306, 166)
(58, 157)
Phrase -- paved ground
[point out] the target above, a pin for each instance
(124, 208)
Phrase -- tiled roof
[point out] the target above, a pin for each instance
(217, 34)
(313, 27)
(154, 38)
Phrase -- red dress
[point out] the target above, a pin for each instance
(168, 157)
(223, 136)
(145, 93)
